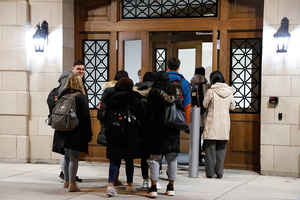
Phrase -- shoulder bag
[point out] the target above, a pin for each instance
(173, 117)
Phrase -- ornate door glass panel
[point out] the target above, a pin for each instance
(137, 9)
(160, 59)
(96, 60)
(245, 68)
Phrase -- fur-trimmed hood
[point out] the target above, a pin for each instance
(108, 84)
(144, 93)
(165, 96)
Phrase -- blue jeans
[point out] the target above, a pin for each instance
(70, 165)
(154, 161)
(115, 166)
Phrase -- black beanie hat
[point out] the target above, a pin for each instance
(148, 77)
(200, 70)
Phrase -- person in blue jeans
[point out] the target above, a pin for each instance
(163, 140)
(125, 144)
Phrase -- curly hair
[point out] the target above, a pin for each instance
(162, 81)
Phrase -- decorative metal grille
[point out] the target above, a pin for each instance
(160, 59)
(245, 73)
(95, 57)
(132, 9)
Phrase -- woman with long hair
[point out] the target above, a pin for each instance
(71, 143)
(218, 101)
(163, 140)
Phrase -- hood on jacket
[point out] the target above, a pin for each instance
(145, 85)
(165, 96)
(144, 93)
(174, 75)
(120, 98)
(222, 89)
(198, 78)
(65, 74)
(108, 84)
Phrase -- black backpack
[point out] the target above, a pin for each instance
(119, 121)
(197, 96)
(52, 99)
(178, 85)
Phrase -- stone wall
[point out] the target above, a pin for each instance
(26, 76)
(280, 139)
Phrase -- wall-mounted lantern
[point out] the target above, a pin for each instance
(40, 38)
(282, 36)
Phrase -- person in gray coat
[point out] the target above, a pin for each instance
(218, 101)
(77, 68)
(71, 143)
(199, 80)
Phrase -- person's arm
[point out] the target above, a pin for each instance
(149, 111)
(84, 116)
(186, 100)
(207, 98)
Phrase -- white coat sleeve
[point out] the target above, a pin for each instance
(207, 98)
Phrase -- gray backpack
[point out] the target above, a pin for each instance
(63, 116)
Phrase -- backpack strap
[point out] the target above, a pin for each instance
(197, 94)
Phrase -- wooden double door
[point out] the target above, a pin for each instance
(244, 144)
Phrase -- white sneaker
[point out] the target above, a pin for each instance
(146, 184)
(158, 186)
(111, 192)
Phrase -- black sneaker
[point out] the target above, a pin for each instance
(170, 190)
(78, 179)
(61, 177)
(152, 192)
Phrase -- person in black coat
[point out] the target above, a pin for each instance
(71, 143)
(163, 140)
(128, 144)
(108, 90)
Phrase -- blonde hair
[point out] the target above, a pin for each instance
(75, 82)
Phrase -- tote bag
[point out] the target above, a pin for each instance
(175, 118)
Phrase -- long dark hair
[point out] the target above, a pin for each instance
(162, 81)
(216, 76)
(120, 74)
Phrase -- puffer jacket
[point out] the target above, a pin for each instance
(162, 139)
(218, 101)
(108, 90)
(131, 147)
(78, 138)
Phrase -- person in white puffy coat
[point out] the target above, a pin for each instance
(218, 101)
